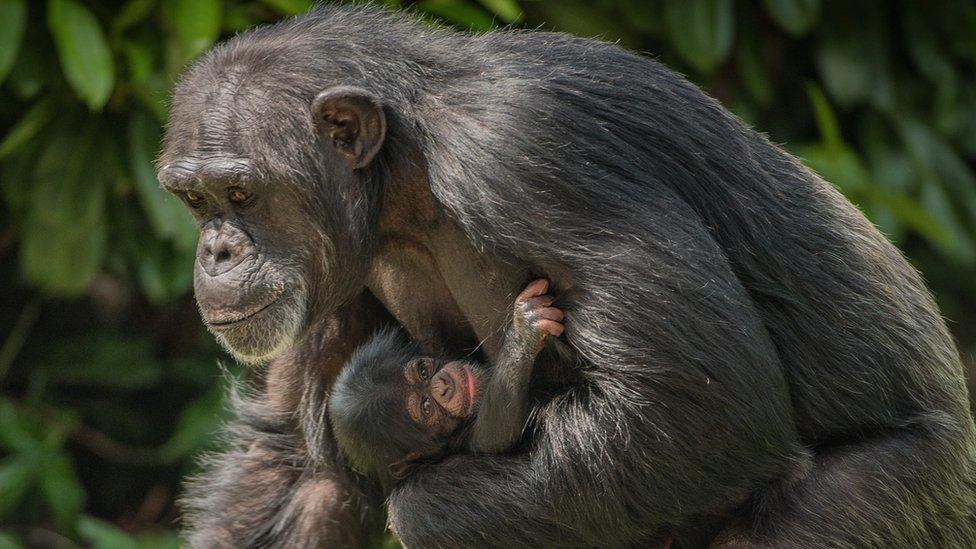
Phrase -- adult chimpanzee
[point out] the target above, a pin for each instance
(393, 409)
(754, 363)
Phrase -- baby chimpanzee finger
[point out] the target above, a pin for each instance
(535, 288)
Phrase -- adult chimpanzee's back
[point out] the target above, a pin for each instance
(754, 364)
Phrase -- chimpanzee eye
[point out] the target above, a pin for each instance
(422, 370)
(239, 197)
(193, 198)
(425, 406)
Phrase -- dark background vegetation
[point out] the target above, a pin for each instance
(109, 383)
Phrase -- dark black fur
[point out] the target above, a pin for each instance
(367, 400)
(755, 357)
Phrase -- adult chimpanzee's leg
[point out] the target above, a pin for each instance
(876, 492)
(282, 483)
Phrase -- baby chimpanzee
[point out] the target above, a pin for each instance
(392, 408)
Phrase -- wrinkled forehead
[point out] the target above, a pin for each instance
(237, 115)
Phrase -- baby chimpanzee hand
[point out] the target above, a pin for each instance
(535, 318)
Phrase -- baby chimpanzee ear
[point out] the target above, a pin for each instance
(402, 468)
(405, 466)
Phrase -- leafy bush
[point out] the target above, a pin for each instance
(110, 383)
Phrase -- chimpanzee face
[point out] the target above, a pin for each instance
(283, 199)
(440, 395)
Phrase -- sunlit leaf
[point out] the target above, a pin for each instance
(507, 10)
(795, 16)
(13, 20)
(197, 24)
(825, 117)
(83, 50)
(701, 30)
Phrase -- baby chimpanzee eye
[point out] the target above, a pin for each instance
(425, 406)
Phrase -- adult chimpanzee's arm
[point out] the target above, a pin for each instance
(281, 482)
(504, 405)
(682, 411)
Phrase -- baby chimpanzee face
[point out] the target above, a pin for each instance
(440, 395)
(391, 407)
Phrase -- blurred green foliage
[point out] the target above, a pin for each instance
(109, 382)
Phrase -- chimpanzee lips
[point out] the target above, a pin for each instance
(220, 321)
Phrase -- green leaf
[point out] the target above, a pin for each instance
(644, 15)
(32, 72)
(753, 68)
(167, 215)
(701, 31)
(103, 535)
(852, 56)
(84, 53)
(844, 71)
(27, 127)
(462, 15)
(940, 165)
(8, 541)
(18, 433)
(62, 491)
(958, 245)
(165, 540)
(16, 477)
(13, 21)
(134, 12)
(580, 18)
(197, 424)
(795, 16)
(507, 10)
(103, 360)
(65, 235)
(289, 7)
(197, 24)
(826, 120)
(838, 165)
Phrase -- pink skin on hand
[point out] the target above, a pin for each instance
(539, 310)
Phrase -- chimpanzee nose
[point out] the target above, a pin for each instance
(223, 249)
(442, 387)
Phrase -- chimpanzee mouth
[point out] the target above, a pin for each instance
(246, 317)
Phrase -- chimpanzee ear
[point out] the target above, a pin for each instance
(353, 120)
(402, 468)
